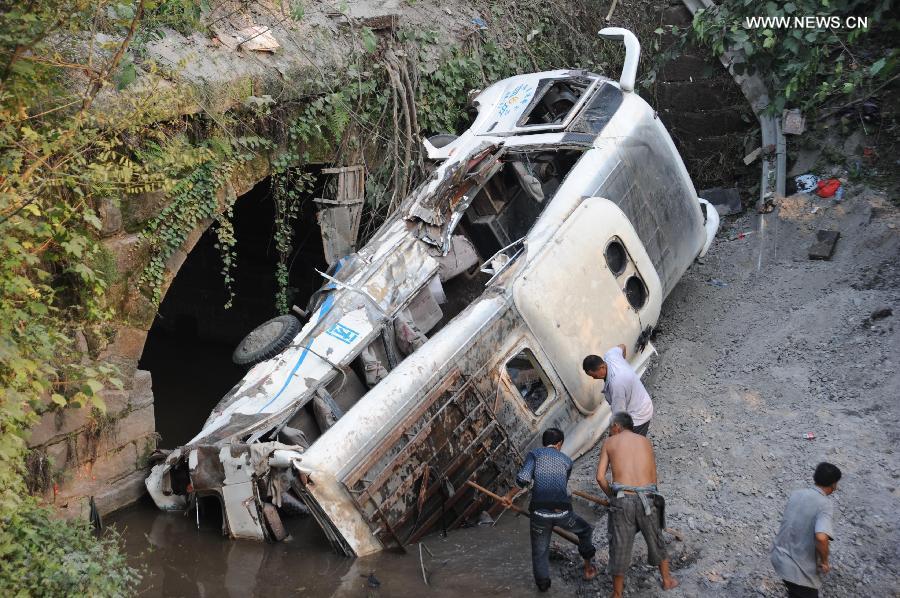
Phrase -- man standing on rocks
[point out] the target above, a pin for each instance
(622, 386)
(800, 551)
(548, 469)
(635, 504)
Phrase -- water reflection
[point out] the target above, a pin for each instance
(178, 559)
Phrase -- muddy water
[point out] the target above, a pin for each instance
(178, 559)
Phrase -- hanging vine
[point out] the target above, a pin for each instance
(289, 186)
(195, 198)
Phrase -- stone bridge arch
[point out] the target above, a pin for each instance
(105, 456)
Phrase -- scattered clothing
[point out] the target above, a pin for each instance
(624, 389)
(806, 183)
(549, 470)
(627, 516)
(827, 187)
(541, 531)
(808, 513)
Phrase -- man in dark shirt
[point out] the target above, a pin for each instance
(548, 470)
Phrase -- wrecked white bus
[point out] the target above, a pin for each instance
(552, 228)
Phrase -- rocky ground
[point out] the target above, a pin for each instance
(758, 347)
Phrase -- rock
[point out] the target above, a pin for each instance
(138, 209)
(823, 248)
(805, 162)
(882, 312)
(853, 145)
(110, 217)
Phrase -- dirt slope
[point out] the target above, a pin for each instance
(746, 370)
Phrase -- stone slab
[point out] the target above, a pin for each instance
(126, 249)
(116, 401)
(121, 493)
(138, 209)
(128, 344)
(86, 479)
(73, 507)
(823, 248)
(805, 162)
(136, 424)
(137, 427)
(58, 423)
(142, 382)
(110, 217)
(58, 453)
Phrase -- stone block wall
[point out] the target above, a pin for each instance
(704, 110)
(100, 455)
(105, 456)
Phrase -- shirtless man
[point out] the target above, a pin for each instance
(633, 507)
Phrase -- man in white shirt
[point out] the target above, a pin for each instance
(622, 386)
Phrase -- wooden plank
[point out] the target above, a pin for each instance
(407, 484)
(427, 525)
(403, 455)
(461, 460)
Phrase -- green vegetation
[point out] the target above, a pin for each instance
(807, 68)
(64, 155)
(42, 556)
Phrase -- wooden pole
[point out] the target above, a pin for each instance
(558, 531)
(591, 497)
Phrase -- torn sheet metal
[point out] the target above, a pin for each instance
(397, 389)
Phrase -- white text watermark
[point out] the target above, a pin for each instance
(811, 22)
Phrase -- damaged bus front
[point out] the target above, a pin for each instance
(552, 228)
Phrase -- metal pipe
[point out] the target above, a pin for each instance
(632, 54)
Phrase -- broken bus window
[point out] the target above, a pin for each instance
(529, 379)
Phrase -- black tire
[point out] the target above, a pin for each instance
(266, 340)
(442, 139)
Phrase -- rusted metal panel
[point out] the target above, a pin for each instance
(452, 435)
(339, 217)
(377, 454)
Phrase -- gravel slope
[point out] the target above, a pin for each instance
(759, 345)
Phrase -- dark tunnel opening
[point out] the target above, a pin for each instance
(188, 349)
